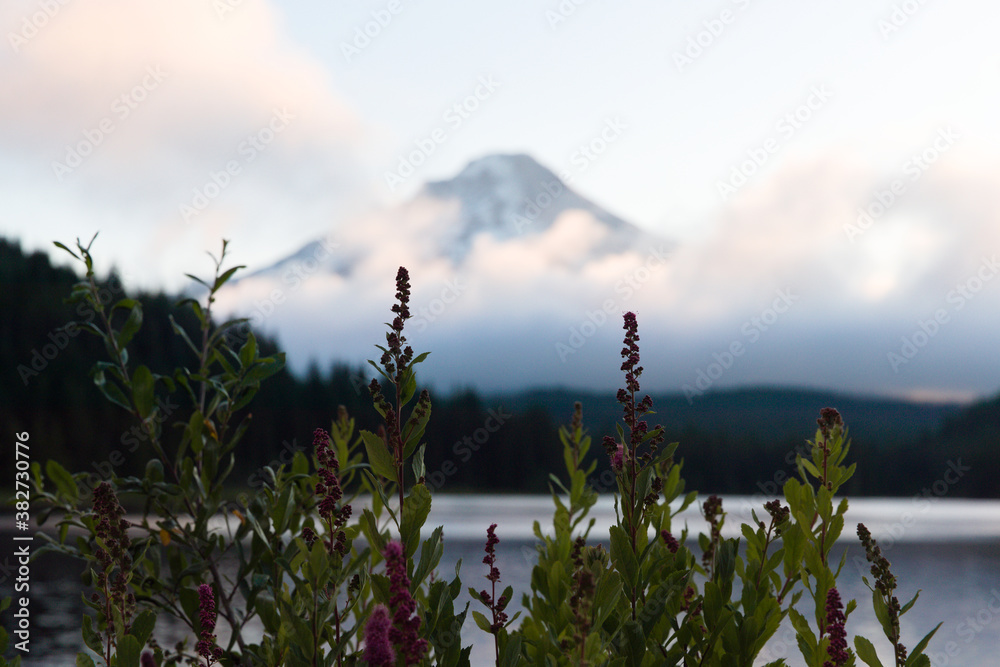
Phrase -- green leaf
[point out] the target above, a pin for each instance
(431, 551)
(866, 652)
(60, 245)
(635, 644)
(919, 648)
(183, 334)
(510, 655)
(906, 607)
(64, 481)
(408, 389)
(802, 628)
(221, 280)
(131, 326)
(484, 623)
(882, 613)
(142, 626)
(154, 470)
(266, 367)
(197, 280)
(378, 456)
(415, 510)
(111, 391)
(623, 557)
(249, 351)
(142, 391)
(811, 467)
(84, 660)
(419, 468)
(369, 526)
(128, 651)
(90, 636)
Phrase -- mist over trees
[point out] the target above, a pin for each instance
(731, 442)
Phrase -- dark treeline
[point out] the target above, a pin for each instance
(474, 442)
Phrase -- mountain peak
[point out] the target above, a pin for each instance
(507, 195)
(518, 173)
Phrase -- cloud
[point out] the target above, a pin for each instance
(130, 110)
(850, 299)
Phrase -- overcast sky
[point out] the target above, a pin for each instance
(751, 130)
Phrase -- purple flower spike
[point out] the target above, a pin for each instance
(405, 621)
(378, 650)
(670, 541)
(206, 605)
(835, 621)
(618, 458)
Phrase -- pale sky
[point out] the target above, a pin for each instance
(169, 125)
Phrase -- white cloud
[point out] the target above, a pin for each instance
(159, 99)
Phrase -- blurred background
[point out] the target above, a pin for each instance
(799, 202)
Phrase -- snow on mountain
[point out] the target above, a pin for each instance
(506, 197)
(499, 248)
(519, 281)
(510, 195)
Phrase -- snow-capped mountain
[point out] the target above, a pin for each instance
(503, 197)
(517, 281)
(500, 250)
(508, 196)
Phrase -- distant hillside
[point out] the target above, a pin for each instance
(739, 441)
(745, 440)
(763, 412)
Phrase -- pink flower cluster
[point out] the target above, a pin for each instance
(206, 646)
(835, 621)
(404, 632)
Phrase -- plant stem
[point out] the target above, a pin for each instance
(763, 556)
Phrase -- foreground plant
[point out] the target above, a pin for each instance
(333, 586)
(505, 650)
(183, 484)
(888, 611)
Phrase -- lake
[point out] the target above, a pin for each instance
(949, 548)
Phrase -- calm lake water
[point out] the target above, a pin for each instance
(950, 549)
